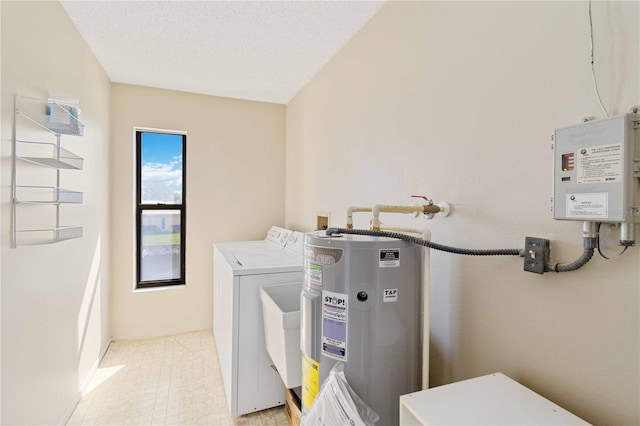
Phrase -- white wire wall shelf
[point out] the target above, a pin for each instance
(35, 194)
(48, 154)
(35, 122)
(59, 119)
(32, 237)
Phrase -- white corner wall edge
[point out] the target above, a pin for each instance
(83, 388)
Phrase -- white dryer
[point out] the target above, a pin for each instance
(250, 383)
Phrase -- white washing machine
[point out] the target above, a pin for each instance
(276, 239)
(239, 271)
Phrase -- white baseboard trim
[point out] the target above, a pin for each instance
(167, 333)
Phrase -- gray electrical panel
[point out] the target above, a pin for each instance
(597, 169)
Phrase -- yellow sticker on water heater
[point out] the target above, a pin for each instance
(310, 380)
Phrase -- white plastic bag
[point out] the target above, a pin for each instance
(338, 405)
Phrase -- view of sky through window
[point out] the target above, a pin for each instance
(161, 168)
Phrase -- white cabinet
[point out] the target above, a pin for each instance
(39, 125)
(494, 399)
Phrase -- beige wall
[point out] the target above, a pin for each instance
(235, 191)
(55, 323)
(457, 101)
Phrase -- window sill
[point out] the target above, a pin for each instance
(160, 288)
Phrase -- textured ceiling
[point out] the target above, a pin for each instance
(257, 50)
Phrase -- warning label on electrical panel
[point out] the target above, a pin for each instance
(389, 258)
(334, 325)
(599, 164)
(588, 206)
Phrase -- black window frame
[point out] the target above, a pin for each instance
(140, 208)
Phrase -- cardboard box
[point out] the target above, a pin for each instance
(292, 408)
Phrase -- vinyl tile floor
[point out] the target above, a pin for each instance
(173, 380)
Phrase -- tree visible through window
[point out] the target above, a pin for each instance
(161, 212)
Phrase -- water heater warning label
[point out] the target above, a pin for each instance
(310, 380)
(599, 164)
(313, 274)
(389, 258)
(334, 325)
(390, 295)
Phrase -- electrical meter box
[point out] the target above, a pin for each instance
(597, 170)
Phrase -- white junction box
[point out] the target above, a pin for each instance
(597, 169)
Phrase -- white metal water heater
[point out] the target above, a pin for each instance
(362, 305)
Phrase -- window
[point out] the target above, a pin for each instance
(161, 208)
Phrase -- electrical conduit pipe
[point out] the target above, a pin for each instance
(589, 242)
